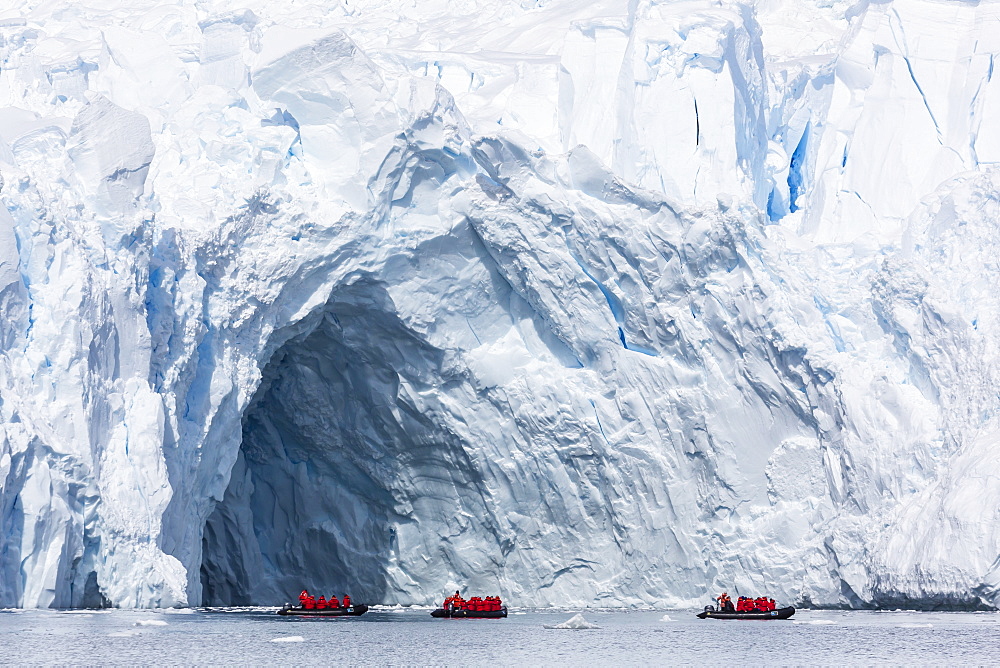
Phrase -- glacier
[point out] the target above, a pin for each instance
(615, 303)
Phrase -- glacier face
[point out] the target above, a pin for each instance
(609, 303)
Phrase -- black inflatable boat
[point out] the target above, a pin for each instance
(781, 613)
(299, 611)
(470, 614)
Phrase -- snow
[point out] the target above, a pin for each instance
(581, 304)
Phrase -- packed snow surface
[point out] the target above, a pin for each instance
(581, 303)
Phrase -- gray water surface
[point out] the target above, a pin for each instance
(408, 636)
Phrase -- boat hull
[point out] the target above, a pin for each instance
(780, 613)
(353, 611)
(470, 614)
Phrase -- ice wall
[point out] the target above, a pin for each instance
(583, 303)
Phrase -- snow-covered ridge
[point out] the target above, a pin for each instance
(598, 303)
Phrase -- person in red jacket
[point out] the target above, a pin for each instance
(310, 603)
(321, 603)
(303, 597)
(770, 604)
(347, 601)
(333, 602)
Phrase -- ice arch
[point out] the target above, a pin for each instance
(325, 488)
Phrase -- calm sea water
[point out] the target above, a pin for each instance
(248, 636)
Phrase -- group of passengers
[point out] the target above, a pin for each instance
(474, 604)
(309, 602)
(745, 604)
(759, 604)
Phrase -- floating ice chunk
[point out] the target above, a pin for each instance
(179, 611)
(574, 622)
(150, 622)
(240, 608)
(666, 618)
(814, 621)
(124, 634)
(289, 639)
(399, 608)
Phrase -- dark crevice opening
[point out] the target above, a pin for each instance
(326, 472)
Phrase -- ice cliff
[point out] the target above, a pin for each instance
(607, 303)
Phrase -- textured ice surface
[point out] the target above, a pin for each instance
(605, 303)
